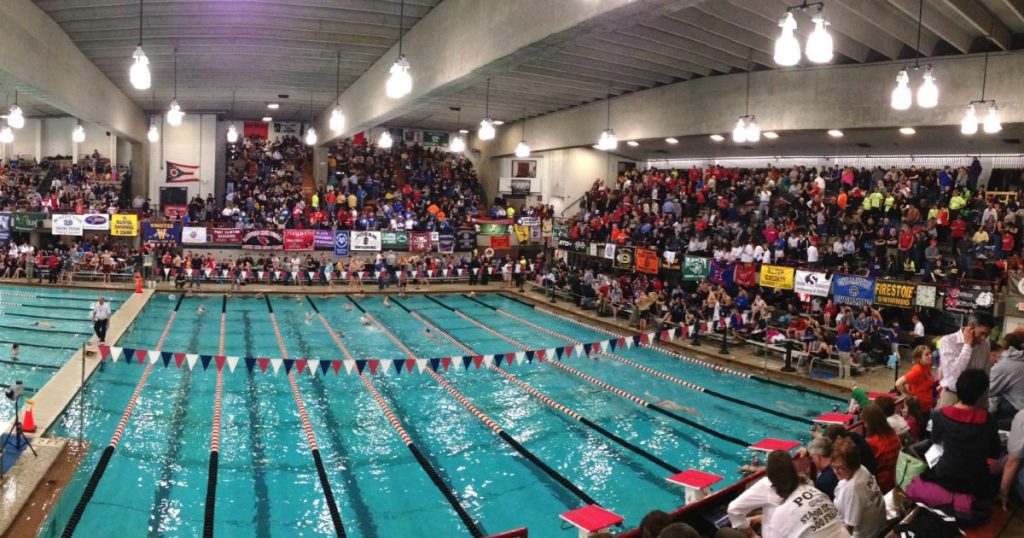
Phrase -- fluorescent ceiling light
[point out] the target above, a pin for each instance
(717, 137)
(770, 134)
(907, 130)
(268, 119)
(498, 122)
(464, 131)
(836, 133)
(273, 106)
(632, 143)
(671, 140)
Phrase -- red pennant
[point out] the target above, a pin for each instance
(643, 338)
(509, 357)
(301, 364)
(409, 365)
(664, 335)
(568, 351)
(446, 362)
(104, 352)
(539, 354)
(141, 355)
(622, 343)
(374, 363)
(263, 362)
(220, 360)
(336, 366)
(179, 359)
(477, 359)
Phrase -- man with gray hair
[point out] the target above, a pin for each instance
(966, 348)
(820, 452)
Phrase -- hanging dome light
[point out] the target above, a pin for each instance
(154, 134)
(385, 140)
(457, 145)
(174, 114)
(311, 137)
(15, 118)
(753, 130)
(232, 134)
(139, 73)
(787, 48)
(486, 131)
(522, 149)
(969, 125)
(6, 135)
(399, 82)
(739, 134)
(819, 44)
(608, 140)
(992, 123)
(928, 93)
(337, 122)
(78, 135)
(901, 96)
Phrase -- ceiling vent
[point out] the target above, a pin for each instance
(863, 145)
(1011, 141)
(282, 96)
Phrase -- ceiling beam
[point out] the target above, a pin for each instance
(893, 22)
(709, 38)
(629, 49)
(695, 51)
(982, 22)
(935, 22)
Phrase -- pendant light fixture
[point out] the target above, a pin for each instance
(608, 140)
(139, 72)
(232, 131)
(337, 122)
(78, 135)
(6, 134)
(311, 132)
(458, 144)
(992, 124)
(928, 92)
(819, 43)
(399, 82)
(174, 113)
(385, 140)
(15, 117)
(486, 131)
(153, 134)
(522, 148)
(747, 129)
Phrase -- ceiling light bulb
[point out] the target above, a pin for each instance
(6, 135)
(787, 48)
(835, 133)
(486, 131)
(928, 93)
(522, 150)
(632, 143)
(717, 137)
(457, 145)
(399, 82)
(901, 97)
(608, 140)
(992, 123)
(273, 106)
(174, 114)
(672, 140)
(819, 43)
(15, 118)
(337, 122)
(385, 140)
(969, 125)
(311, 137)
(154, 134)
(770, 134)
(267, 119)
(78, 135)
(753, 130)
(232, 134)
(739, 134)
(139, 72)
(907, 130)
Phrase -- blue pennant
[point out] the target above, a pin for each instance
(434, 364)
(206, 360)
(498, 358)
(129, 355)
(288, 363)
(166, 356)
(529, 356)
(325, 365)
(612, 343)
(398, 366)
(587, 348)
(361, 365)
(250, 363)
(466, 361)
(636, 340)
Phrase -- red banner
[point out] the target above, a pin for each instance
(501, 242)
(226, 235)
(256, 128)
(746, 275)
(175, 210)
(299, 239)
(646, 261)
(419, 242)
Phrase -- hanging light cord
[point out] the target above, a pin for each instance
(175, 73)
(140, 23)
(984, 78)
(524, 124)
(920, 19)
(608, 121)
(487, 100)
(401, 25)
(337, 80)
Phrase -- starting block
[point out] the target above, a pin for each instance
(835, 418)
(697, 483)
(591, 520)
(769, 444)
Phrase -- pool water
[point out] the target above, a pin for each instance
(156, 481)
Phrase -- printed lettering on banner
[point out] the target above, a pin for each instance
(96, 221)
(529, 221)
(777, 276)
(323, 239)
(925, 297)
(435, 236)
(536, 237)
(968, 299)
(465, 239)
(609, 251)
(161, 233)
(696, 268)
(624, 258)
(559, 231)
(6, 223)
(227, 235)
(501, 242)
(853, 290)
(812, 283)
(894, 294)
(123, 225)
(419, 242)
(193, 235)
(366, 241)
(592, 249)
(395, 240)
(646, 261)
(299, 240)
(446, 242)
(68, 224)
(262, 240)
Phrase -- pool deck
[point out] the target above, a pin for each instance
(22, 482)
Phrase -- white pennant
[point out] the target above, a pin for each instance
(459, 271)
(188, 271)
(115, 353)
(603, 345)
(349, 365)
(550, 353)
(650, 336)
(295, 275)
(421, 364)
(488, 360)
(328, 269)
(313, 365)
(277, 274)
(344, 275)
(386, 365)
(276, 364)
(444, 272)
(232, 362)
(166, 271)
(245, 274)
(154, 356)
(223, 272)
(476, 270)
(191, 359)
(579, 350)
(629, 342)
(260, 274)
(520, 357)
(312, 275)
(376, 274)
(207, 272)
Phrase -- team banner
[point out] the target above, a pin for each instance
(746, 275)
(925, 297)
(192, 235)
(341, 243)
(323, 239)
(777, 276)
(671, 260)
(465, 240)
(522, 233)
(559, 231)
(646, 261)
(812, 283)
(501, 242)
(536, 235)
(395, 240)
(609, 251)
(696, 268)
(529, 221)
(96, 221)
(262, 240)
(894, 294)
(366, 241)
(420, 241)
(124, 225)
(969, 299)
(67, 224)
(161, 233)
(227, 235)
(592, 249)
(299, 240)
(27, 222)
(446, 242)
(6, 223)
(853, 290)
(579, 246)
(624, 258)
(494, 227)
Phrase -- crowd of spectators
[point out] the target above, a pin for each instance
(55, 185)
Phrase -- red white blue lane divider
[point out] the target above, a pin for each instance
(211, 480)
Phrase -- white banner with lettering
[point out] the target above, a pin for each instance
(812, 283)
(68, 224)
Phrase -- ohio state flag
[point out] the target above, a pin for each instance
(181, 173)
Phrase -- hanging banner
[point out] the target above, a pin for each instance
(853, 290)
(6, 223)
(624, 257)
(96, 221)
(124, 225)
(894, 294)
(161, 233)
(578, 246)
(299, 240)
(646, 261)
(968, 299)
(536, 235)
(366, 241)
(609, 251)
(522, 233)
(746, 275)
(925, 297)
(420, 242)
(592, 249)
(67, 224)
(559, 231)
(262, 240)
(192, 235)
(227, 235)
(529, 221)
(696, 268)
(777, 276)
(493, 227)
(341, 243)
(501, 242)
(395, 240)
(812, 283)
(323, 239)
(27, 222)
(723, 273)
(446, 242)
(465, 240)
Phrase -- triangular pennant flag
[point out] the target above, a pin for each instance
(344, 275)
(444, 272)
(579, 350)
(627, 342)
(188, 271)
(208, 272)
(259, 274)
(374, 364)
(603, 344)
(637, 339)
(300, 364)
(559, 352)
(167, 271)
(276, 364)
(191, 359)
(446, 362)
(295, 275)
(333, 365)
(587, 348)
(652, 337)
(277, 275)
(223, 272)
(232, 363)
(349, 365)
(643, 339)
(540, 354)
(475, 270)
(489, 360)
(434, 363)
(179, 359)
(250, 363)
(498, 358)
(206, 360)
(568, 351)
(664, 335)
(678, 332)
(288, 363)
(622, 343)
(140, 355)
(314, 365)
(421, 364)
(104, 351)
(477, 359)
(154, 356)
(399, 364)
(520, 357)
(312, 275)
(509, 357)
(613, 343)
(410, 364)
(385, 365)
(263, 362)
(529, 356)
(129, 354)
(219, 360)
(245, 274)
(549, 353)
(466, 361)
(166, 356)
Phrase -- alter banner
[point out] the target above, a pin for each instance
(777, 276)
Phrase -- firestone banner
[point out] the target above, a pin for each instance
(894, 294)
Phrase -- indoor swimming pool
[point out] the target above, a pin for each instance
(398, 446)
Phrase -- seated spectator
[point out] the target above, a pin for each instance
(885, 445)
(1013, 474)
(653, 523)
(1006, 391)
(858, 498)
(820, 452)
(896, 422)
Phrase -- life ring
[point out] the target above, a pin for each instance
(489, 252)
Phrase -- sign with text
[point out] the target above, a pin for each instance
(96, 221)
(894, 294)
(227, 235)
(124, 225)
(262, 240)
(465, 240)
(968, 299)
(6, 223)
(67, 224)
(193, 235)
(366, 241)
(646, 261)
(624, 257)
(299, 240)
(446, 242)
(777, 276)
(696, 268)
(420, 242)
(395, 240)
(341, 243)
(323, 239)
(27, 222)
(161, 233)
(812, 283)
(853, 290)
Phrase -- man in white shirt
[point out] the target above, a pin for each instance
(812, 255)
(918, 330)
(101, 319)
(858, 498)
(966, 348)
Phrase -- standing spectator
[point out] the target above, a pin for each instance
(966, 348)
(1013, 474)
(1006, 390)
(919, 382)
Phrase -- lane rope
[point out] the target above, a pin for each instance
(211, 480)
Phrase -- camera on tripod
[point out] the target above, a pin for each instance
(15, 391)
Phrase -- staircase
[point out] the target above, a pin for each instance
(308, 182)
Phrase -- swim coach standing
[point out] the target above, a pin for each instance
(101, 319)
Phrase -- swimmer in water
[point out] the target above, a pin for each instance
(669, 404)
(754, 466)
(364, 320)
(309, 317)
(386, 303)
(201, 310)
(472, 294)
(14, 351)
(429, 334)
(43, 324)
(348, 307)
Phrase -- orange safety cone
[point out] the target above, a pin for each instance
(28, 424)
(138, 283)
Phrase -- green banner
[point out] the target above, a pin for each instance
(27, 222)
(395, 240)
(695, 268)
(490, 228)
(435, 138)
(558, 231)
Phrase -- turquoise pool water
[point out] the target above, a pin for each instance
(156, 481)
(43, 349)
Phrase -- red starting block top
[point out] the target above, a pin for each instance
(873, 395)
(695, 479)
(835, 418)
(592, 518)
(768, 444)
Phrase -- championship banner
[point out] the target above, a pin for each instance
(501, 242)
(299, 240)
(925, 297)
(777, 276)
(812, 283)
(262, 240)
(6, 223)
(465, 240)
(609, 251)
(559, 231)
(323, 239)
(28, 222)
(696, 268)
(446, 242)
(646, 261)
(341, 243)
(420, 241)
(395, 240)
(124, 225)
(193, 235)
(969, 299)
(227, 235)
(67, 224)
(624, 257)
(894, 294)
(853, 290)
(96, 221)
(366, 241)
(493, 227)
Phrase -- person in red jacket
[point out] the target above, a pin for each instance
(957, 231)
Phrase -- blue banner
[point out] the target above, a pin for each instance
(341, 243)
(161, 233)
(853, 290)
(6, 222)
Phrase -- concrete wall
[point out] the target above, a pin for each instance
(193, 143)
